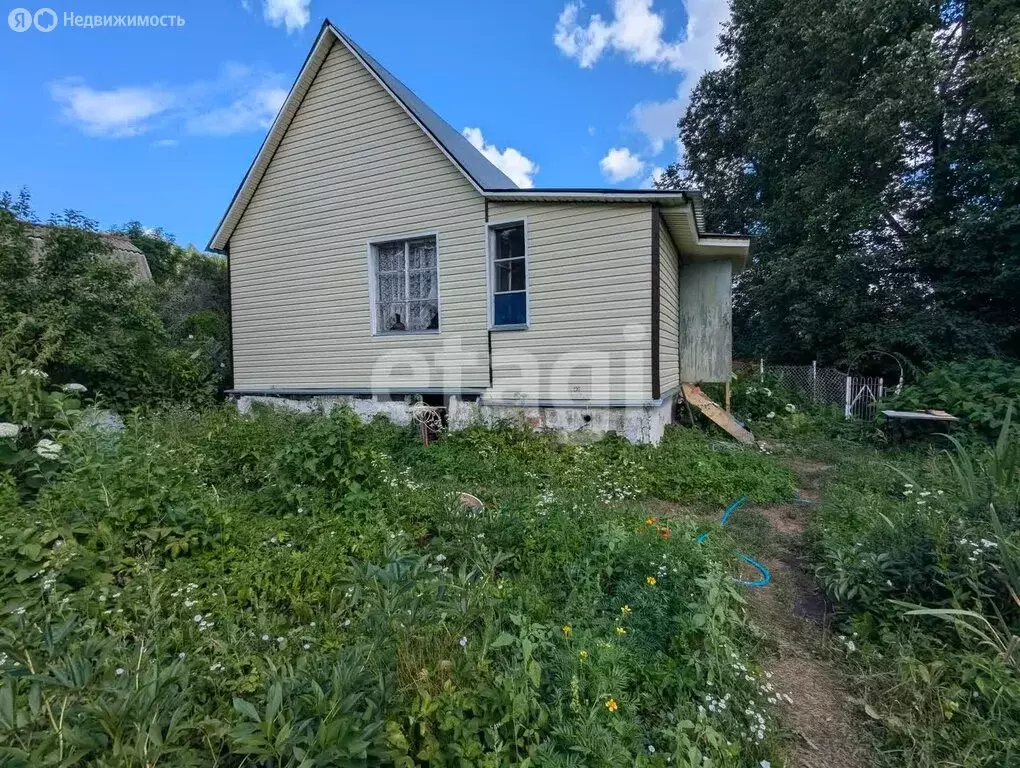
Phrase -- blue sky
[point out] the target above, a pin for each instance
(160, 124)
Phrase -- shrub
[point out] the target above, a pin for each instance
(919, 551)
(977, 391)
(33, 421)
(77, 315)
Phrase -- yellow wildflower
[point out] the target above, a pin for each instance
(611, 705)
(651, 581)
(650, 520)
(584, 654)
(621, 631)
(566, 630)
(625, 610)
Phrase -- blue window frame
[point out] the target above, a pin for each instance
(507, 244)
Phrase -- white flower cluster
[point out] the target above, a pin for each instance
(33, 373)
(661, 569)
(922, 496)
(102, 601)
(715, 704)
(186, 590)
(848, 643)
(76, 389)
(757, 727)
(765, 695)
(978, 548)
(609, 486)
(48, 449)
(9, 430)
(401, 480)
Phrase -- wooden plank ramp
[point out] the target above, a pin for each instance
(698, 399)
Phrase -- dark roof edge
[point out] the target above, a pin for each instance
(424, 120)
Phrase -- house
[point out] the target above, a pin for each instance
(121, 250)
(375, 256)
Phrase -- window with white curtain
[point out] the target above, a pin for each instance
(406, 285)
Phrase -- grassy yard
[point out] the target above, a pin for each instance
(918, 550)
(207, 589)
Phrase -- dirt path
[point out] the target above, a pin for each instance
(828, 732)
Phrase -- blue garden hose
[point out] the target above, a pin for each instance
(766, 577)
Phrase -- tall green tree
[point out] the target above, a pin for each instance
(872, 148)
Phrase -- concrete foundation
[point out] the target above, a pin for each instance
(642, 423)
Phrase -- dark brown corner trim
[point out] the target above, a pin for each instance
(656, 291)
(230, 311)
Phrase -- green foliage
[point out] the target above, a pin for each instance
(872, 149)
(77, 314)
(192, 296)
(772, 409)
(294, 590)
(922, 558)
(33, 421)
(977, 391)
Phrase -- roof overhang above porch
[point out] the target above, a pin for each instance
(681, 210)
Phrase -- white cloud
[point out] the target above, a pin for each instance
(291, 14)
(163, 143)
(637, 32)
(657, 120)
(620, 164)
(653, 177)
(252, 111)
(510, 161)
(117, 112)
(241, 99)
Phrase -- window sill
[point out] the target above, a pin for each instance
(517, 327)
(400, 334)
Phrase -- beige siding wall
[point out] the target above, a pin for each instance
(589, 283)
(352, 167)
(669, 312)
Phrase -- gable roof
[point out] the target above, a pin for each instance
(480, 172)
(486, 178)
(474, 163)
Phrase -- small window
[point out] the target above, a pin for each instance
(509, 275)
(407, 285)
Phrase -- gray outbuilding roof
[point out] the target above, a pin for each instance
(121, 250)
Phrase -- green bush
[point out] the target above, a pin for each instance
(920, 552)
(977, 391)
(79, 316)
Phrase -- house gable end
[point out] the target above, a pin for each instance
(351, 169)
(465, 158)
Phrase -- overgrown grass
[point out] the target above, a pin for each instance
(919, 560)
(207, 589)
